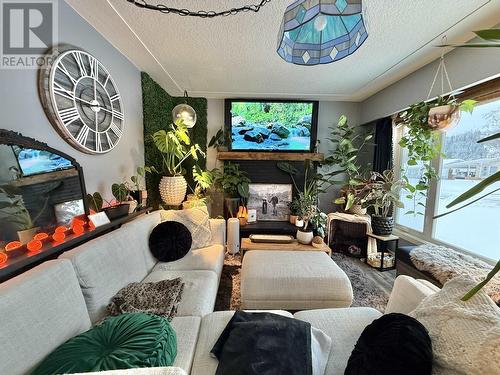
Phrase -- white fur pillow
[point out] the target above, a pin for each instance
(465, 335)
(196, 220)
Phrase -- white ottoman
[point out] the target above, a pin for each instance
(293, 280)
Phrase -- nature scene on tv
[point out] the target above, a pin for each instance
(271, 126)
(34, 161)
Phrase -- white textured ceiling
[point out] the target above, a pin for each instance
(236, 56)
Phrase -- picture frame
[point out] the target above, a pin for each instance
(270, 201)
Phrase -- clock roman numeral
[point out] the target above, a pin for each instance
(106, 81)
(98, 145)
(115, 129)
(59, 90)
(80, 62)
(65, 70)
(111, 144)
(82, 135)
(118, 115)
(94, 68)
(115, 97)
(69, 115)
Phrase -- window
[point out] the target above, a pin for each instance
(474, 228)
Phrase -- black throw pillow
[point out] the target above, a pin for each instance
(170, 241)
(394, 344)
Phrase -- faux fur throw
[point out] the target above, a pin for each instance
(445, 264)
(159, 298)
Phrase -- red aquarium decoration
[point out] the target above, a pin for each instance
(41, 236)
(14, 245)
(58, 236)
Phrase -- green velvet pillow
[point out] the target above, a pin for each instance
(125, 341)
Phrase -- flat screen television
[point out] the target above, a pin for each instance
(271, 125)
(32, 161)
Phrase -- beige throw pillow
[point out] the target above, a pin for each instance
(196, 220)
(465, 335)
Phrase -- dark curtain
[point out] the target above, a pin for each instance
(382, 158)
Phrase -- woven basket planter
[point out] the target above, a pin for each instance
(357, 210)
(173, 190)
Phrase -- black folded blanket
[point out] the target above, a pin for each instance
(264, 344)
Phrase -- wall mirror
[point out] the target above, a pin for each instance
(40, 188)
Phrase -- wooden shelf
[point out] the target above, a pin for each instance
(254, 155)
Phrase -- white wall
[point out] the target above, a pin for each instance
(22, 111)
(329, 113)
(465, 66)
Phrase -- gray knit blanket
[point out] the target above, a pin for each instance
(444, 264)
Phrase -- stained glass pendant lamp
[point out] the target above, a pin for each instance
(321, 31)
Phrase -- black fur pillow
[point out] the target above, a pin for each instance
(394, 344)
(170, 241)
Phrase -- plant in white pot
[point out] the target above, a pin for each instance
(175, 148)
(382, 192)
(307, 209)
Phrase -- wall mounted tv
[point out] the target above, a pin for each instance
(271, 125)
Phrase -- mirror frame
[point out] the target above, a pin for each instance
(12, 138)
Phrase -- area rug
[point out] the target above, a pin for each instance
(366, 293)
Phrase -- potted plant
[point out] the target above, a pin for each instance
(204, 180)
(218, 141)
(136, 186)
(344, 161)
(382, 195)
(175, 147)
(235, 185)
(294, 210)
(114, 211)
(307, 210)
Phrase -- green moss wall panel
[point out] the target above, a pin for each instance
(157, 107)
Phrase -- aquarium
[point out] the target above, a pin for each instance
(275, 125)
(32, 161)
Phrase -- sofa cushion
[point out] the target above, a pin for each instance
(465, 335)
(120, 342)
(186, 329)
(200, 290)
(407, 293)
(141, 228)
(104, 266)
(212, 326)
(393, 344)
(344, 326)
(197, 220)
(209, 258)
(40, 310)
(170, 241)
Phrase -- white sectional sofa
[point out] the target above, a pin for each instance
(59, 299)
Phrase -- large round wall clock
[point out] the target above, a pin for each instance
(82, 100)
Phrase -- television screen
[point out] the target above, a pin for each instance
(272, 125)
(32, 161)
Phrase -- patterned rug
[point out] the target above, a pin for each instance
(366, 293)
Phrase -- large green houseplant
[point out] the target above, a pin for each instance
(175, 148)
(344, 161)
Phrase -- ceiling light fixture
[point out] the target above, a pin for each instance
(185, 112)
(321, 31)
(199, 13)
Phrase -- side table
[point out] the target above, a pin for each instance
(384, 241)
